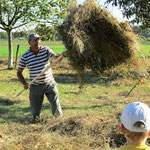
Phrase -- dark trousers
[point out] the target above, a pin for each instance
(37, 96)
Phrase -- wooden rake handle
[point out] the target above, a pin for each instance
(54, 62)
(132, 88)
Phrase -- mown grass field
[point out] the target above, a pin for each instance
(56, 46)
(91, 117)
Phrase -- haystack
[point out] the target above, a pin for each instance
(96, 40)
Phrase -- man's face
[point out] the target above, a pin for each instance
(35, 44)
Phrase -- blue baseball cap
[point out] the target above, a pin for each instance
(33, 36)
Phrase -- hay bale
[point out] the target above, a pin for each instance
(95, 40)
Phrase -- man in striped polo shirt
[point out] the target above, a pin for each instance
(36, 59)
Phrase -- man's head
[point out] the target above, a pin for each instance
(34, 42)
(33, 36)
(135, 120)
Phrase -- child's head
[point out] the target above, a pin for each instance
(135, 120)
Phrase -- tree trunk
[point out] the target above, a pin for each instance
(10, 56)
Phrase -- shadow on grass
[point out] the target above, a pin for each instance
(72, 78)
(89, 78)
(14, 111)
(6, 102)
(47, 106)
(117, 140)
(11, 111)
(17, 80)
(67, 79)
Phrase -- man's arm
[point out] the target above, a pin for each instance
(55, 56)
(21, 78)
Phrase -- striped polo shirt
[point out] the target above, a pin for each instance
(36, 63)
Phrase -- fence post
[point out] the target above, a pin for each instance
(17, 55)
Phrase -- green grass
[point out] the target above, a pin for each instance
(22, 42)
(91, 118)
(56, 46)
(145, 41)
(22, 49)
(147, 47)
(145, 52)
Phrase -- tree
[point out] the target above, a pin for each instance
(46, 31)
(3, 35)
(48, 28)
(145, 33)
(139, 10)
(17, 13)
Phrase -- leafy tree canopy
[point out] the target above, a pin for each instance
(139, 10)
(16, 13)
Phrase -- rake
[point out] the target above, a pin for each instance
(54, 62)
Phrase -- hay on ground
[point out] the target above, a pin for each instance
(95, 40)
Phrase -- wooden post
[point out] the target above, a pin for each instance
(17, 55)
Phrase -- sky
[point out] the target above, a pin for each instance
(114, 10)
